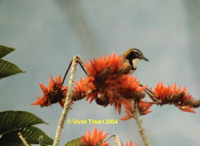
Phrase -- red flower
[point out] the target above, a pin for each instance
(94, 139)
(131, 144)
(129, 110)
(84, 87)
(175, 95)
(56, 92)
(142, 105)
(108, 82)
(98, 65)
(186, 108)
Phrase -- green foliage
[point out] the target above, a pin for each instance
(7, 68)
(5, 50)
(13, 122)
(31, 134)
(74, 142)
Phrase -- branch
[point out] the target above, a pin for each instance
(139, 123)
(117, 141)
(23, 139)
(67, 102)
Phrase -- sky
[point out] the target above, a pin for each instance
(47, 34)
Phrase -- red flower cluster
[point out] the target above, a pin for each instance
(143, 108)
(175, 95)
(97, 138)
(56, 92)
(107, 82)
(98, 65)
(94, 139)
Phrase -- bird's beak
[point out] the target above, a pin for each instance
(144, 58)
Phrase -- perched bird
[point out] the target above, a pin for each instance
(132, 57)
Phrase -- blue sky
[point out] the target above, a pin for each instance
(47, 34)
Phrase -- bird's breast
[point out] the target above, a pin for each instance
(135, 63)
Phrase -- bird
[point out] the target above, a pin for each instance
(131, 58)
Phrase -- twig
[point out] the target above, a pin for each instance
(108, 138)
(67, 102)
(23, 139)
(139, 123)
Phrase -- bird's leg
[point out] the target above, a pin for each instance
(151, 94)
(80, 62)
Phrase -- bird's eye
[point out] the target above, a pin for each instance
(137, 53)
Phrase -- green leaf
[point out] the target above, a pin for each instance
(14, 120)
(5, 50)
(11, 143)
(74, 142)
(31, 134)
(8, 69)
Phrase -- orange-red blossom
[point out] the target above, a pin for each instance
(108, 82)
(143, 107)
(56, 92)
(131, 144)
(175, 95)
(95, 138)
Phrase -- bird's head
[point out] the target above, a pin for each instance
(133, 56)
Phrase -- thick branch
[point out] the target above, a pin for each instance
(67, 102)
(139, 123)
(117, 141)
